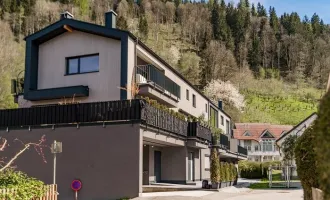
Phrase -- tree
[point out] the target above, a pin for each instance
(219, 90)
(188, 66)
(215, 167)
(288, 148)
(143, 26)
(306, 161)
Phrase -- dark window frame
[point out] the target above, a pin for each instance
(222, 120)
(194, 100)
(78, 57)
(187, 94)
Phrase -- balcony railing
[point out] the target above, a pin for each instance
(222, 141)
(154, 76)
(242, 151)
(163, 120)
(195, 129)
(111, 111)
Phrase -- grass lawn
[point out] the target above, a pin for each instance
(276, 183)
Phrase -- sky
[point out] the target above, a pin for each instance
(302, 7)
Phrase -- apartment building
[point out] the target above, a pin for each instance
(113, 141)
(260, 140)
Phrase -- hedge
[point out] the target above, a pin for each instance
(215, 166)
(306, 162)
(252, 170)
(322, 144)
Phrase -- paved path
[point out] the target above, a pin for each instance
(227, 194)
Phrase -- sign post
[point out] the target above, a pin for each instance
(56, 148)
(76, 186)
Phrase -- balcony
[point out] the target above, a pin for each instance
(222, 142)
(242, 151)
(154, 84)
(99, 112)
(196, 130)
(264, 153)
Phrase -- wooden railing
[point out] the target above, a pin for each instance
(50, 193)
(195, 129)
(242, 151)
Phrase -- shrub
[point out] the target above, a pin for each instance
(233, 171)
(252, 170)
(305, 160)
(215, 166)
(322, 145)
(227, 172)
(222, 172)
(26, 187)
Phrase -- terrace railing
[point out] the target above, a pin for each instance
(195, 129)
(222, 141)
(126, 110)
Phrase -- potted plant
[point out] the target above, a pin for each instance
(235, 174)
(222, 175)
(215, 165)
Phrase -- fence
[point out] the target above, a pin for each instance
(195, 129)
(50, 194)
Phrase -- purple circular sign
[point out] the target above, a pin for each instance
(76, 185)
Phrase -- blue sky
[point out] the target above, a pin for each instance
(302, 7)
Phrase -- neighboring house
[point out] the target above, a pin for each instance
(260, 140)
(113, 143)
(297, 130)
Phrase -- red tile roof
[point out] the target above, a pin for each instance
(257, 129)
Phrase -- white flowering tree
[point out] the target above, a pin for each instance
(219, 90)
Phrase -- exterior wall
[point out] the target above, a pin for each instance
(174, 164)
(107, 160)
(52, 65)
(205, 171)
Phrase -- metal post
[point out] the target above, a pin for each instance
(54, 172)
(76, 195)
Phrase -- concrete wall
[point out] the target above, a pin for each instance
(52, 65)
(107, 160)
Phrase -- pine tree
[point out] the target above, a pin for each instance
(315, 21)
(273, 19)
(253, 11)
(261, 10)
(143, 26)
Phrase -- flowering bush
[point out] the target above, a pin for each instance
(219, 90)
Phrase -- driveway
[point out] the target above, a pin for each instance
(227, 194)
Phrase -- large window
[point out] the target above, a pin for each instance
(267, 145)
(213, 117)
(82, 64)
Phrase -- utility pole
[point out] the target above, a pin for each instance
(55, 148)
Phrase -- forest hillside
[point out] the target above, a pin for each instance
(279, 64)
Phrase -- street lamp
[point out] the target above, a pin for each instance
(55, 148)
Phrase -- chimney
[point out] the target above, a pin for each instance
(110, 19)
(66, 15)
(220, 104)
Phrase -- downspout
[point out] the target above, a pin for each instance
(200, 161)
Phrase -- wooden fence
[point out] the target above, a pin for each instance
(50, 194)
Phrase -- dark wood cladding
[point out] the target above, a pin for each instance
(195, 129)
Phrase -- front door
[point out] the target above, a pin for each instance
(157, 164)
(191, 166)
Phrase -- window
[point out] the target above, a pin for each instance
(247, 144)
(213, 117)
(187, 95)
(267, 145)
(227, 127)
(256, 148)
(194, 100)
(206, 107)
(207, 162)
(246, 133)
(82, 64)
(222, 121)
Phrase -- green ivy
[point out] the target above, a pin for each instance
(26, 187)
(306, 162)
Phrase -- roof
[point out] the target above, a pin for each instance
(56, 29)
(256, 130)
(284, 135)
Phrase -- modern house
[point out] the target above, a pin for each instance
(113, 139)
(260, 140)
(297, 130)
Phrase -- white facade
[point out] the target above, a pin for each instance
(265, 150)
